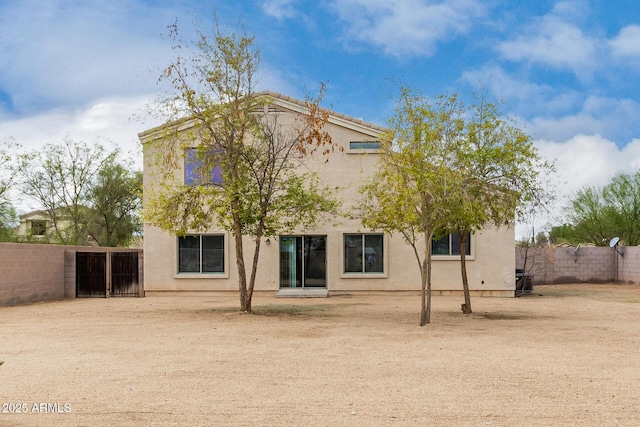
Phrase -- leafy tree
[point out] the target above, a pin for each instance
(262, 191)
(84, 191)
(588, 216)
(561, 233)
(115, 200)
(622, 207)
(598, 214)
(501, 177)
(457, 170)
(415, 178)
(59, 178)
(7, 177)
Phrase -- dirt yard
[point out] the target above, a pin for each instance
(566, 355)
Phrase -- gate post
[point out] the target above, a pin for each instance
(141, 273)
(108, 273)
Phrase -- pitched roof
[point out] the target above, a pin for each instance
(334, 117)
(292, 104)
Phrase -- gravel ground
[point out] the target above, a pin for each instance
(564, 356)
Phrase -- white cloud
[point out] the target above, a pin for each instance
(110, 121)
(627, 42)
(612, 118)
(532, 98)
(581, 161)
(553, 42)
(571, 8)
(406, 27)
(82, 51)
(555, 112)
(279, 9)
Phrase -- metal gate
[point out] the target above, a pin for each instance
(124, 274)
(91, 274)
(93, 270)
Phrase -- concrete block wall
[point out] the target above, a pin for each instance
(537, 262)
(30, 273)
(587, 265)
(555, 265)
(629, 264)
(69, 273)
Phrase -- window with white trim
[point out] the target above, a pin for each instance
(449, 245)
(363, 253)
(201, 253)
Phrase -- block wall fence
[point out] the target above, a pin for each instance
(556, 265)
(32, 272)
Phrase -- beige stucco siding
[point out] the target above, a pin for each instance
(491, 260)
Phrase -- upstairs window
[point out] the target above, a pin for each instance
(196, 168)
(449, 245)
(364, 145)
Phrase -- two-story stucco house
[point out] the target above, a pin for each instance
(338, 257)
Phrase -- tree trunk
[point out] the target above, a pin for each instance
(245, 297)
(425, 312)
(254, 265)
(466, 307)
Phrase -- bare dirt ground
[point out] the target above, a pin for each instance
(566, 355)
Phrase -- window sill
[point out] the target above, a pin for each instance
(364, 275)
(451, 258)
(363, 151)
(201, 275)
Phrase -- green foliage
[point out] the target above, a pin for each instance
(83, 191)
(116, 201)
(416, 176)
(446, 168)
(598, 214)
(622, 207)
(501, 173)
(563, 233)
(58, 177)
(7, 219)
(504, 175)
(8, 216)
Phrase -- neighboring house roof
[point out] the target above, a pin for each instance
(40, 213)
(285, 102)
(34, 215)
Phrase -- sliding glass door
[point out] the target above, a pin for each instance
(303, 262)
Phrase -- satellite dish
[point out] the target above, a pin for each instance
(614, 242)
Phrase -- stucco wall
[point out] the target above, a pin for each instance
(490, 267)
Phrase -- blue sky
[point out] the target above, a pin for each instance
(567, 71)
